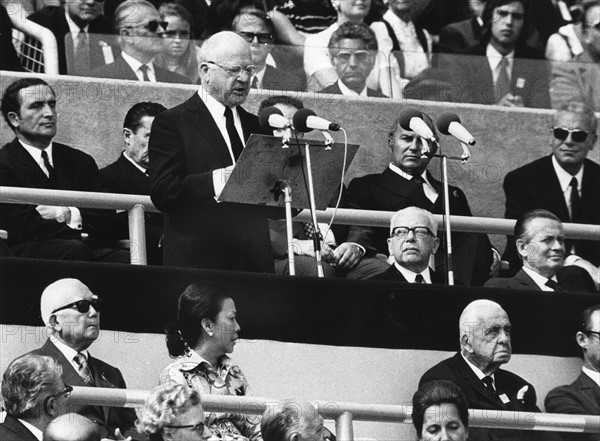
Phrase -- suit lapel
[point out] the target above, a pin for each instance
(30, 169)
(590, 392)
(132, 176)
(400, 186)
(471, 379)
(523, 279)
(19, 429)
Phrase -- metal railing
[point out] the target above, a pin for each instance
(136, 205)
(345, 414)
(36, 45)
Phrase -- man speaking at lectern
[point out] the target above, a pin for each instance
(193, 149)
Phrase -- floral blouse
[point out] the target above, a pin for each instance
(226, 379)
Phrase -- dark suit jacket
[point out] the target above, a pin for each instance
(185, 147)
(458, 37)
(75, 170)
(278, 79)
(393, 275)
(389, 191)
(535, 185)
(13, 430)
(582, 397)
(520, 281)
(9, 59)
(335, 90)
(53, 18)
(105, 375)
(571, 279)
(120, 70)
(479, 397)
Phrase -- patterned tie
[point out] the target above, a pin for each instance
(81, 54)
(51, 172)
(419, 279)
(144, 70)
(84, 369)
(234, 138)
(554, 285)
(575, 201)
(503, 82)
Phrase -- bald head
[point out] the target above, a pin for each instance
(60, 293)
(72, 427)
(485, 335)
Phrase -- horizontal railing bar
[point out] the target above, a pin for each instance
(360, 412)
(373, 218)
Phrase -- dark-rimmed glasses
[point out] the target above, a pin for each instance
(195, 427)
(236, 71)
(419, 232)
(577, 135)
(66, 392)
(81, 305)
(360, 56)
(262, 37)
(596, 333)
(151, 26)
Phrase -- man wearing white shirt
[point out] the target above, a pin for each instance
(33, 160)
(582, 397)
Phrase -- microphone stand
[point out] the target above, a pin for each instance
(311, 197)
(282, 187)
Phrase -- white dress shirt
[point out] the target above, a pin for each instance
(411, 275)
(564, 179)
(430, 192)
(346, 91)
(135, 66)
(68, 352)
(539, 279)
(494, 57)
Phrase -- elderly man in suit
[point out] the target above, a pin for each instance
(137, 22)
(485, 345)
(33, 394)
(193, 149)
(582, 397)
(33, 160)
(71, 313)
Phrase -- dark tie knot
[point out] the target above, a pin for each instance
(554, 285)
(419, 279)
(489, 383)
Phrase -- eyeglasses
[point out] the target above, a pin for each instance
(262, 38)
(236, 71)
(360, 56)
(152, 25)
(195, 427)
(576, 135)
(596, 333)
(184, 35)
(81, 305)
(66, 392)
(419, 232)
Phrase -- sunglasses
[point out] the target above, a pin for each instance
(195, 427)
(81, 305)
(360, 56)
(576, 135)
(262, 38)
(152, 25)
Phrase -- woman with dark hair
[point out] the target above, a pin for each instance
(440, 411)
(206, 331)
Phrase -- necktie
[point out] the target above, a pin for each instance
(489, 384)
(309, 230)
(418, 181)
(81, 63)
(144, 70)
(84, 369)
(234, 138)
(503, 81)
(554, 285)
(254, 82)
(51, 172)
(575, 201)
(419, 279)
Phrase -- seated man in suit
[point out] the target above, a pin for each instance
(582, 397)
(485, 345)
(71, 313)
(540, 242)
(412, 243)
(137, 22)
(257, 29)
(293, 420)
(129, 173)
(33, 394)
(33, 160)
(80, 29)
(565, 183)
(352, 51)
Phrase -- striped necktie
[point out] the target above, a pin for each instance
(84, 369)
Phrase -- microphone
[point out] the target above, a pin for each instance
(449, 124)
(412, 119)
(306, 120)
(272, 118)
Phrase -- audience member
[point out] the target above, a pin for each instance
(138, 23)
(405, 183)
(173, 412)
(309, 16)
(72, 427)
(404, 39)
(257, 29)
(71, 314)
(412, 244)
(582, 397)
(485, 333)
(81, 32)
(33, 160)
(9, 60)
(352, 51)
(180, 53)
(33, 394)
(565, 183)
(206, 330)
(129, 173)
(385, 77)
(459, 36)
(567, 43)
(293, 420)
(579, 79)
(440, 412)
(193, 148)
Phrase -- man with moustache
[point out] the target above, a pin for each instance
(71, 313)
(193, 149)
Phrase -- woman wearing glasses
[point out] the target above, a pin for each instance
(173, 412)
(206, 331)
(180, 54)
